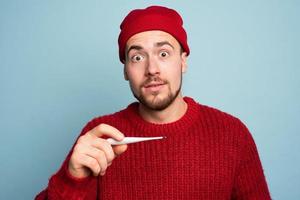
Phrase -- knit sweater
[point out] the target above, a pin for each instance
(207, 154)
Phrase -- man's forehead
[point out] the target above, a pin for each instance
(154, 37)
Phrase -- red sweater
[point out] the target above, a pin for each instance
(208, 154)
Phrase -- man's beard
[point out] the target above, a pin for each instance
(157, 104)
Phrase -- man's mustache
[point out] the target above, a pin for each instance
(154, 79)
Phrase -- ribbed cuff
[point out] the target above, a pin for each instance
(66, 186)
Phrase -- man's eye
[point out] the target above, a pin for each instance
(137, 58)
(163, 54)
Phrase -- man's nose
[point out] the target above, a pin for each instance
(152, 67)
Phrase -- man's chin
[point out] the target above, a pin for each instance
(157, 102)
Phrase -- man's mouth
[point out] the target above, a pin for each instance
(149, 85)
(154, 86)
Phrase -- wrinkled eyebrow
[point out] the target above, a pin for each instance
(160, 44)
(134, 47)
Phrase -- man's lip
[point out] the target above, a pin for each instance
(153, 85)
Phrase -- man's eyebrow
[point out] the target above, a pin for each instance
(160, 44)
(136, 47)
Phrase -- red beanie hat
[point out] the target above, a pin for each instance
(152, 18)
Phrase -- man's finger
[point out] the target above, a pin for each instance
(90, 163)
(103, 145)
(119, 149)
(107, 130)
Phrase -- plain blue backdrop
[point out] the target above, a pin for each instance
(59, 68)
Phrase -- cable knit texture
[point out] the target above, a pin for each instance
(208, 154)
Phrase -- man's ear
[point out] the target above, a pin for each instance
(184, 62)
(125, 73)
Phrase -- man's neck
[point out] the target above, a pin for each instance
(170, 114)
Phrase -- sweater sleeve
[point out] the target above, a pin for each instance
(62, 185)
(250, 182)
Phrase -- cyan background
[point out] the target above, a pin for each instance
(59, 68)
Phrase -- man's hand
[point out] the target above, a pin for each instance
(92, 154)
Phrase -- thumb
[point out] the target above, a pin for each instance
(119, 149)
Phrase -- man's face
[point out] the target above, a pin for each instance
(154, 66)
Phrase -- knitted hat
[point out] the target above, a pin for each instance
(152, 18)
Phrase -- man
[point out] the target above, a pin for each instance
(207, 154)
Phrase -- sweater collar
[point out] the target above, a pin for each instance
(191, 115)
